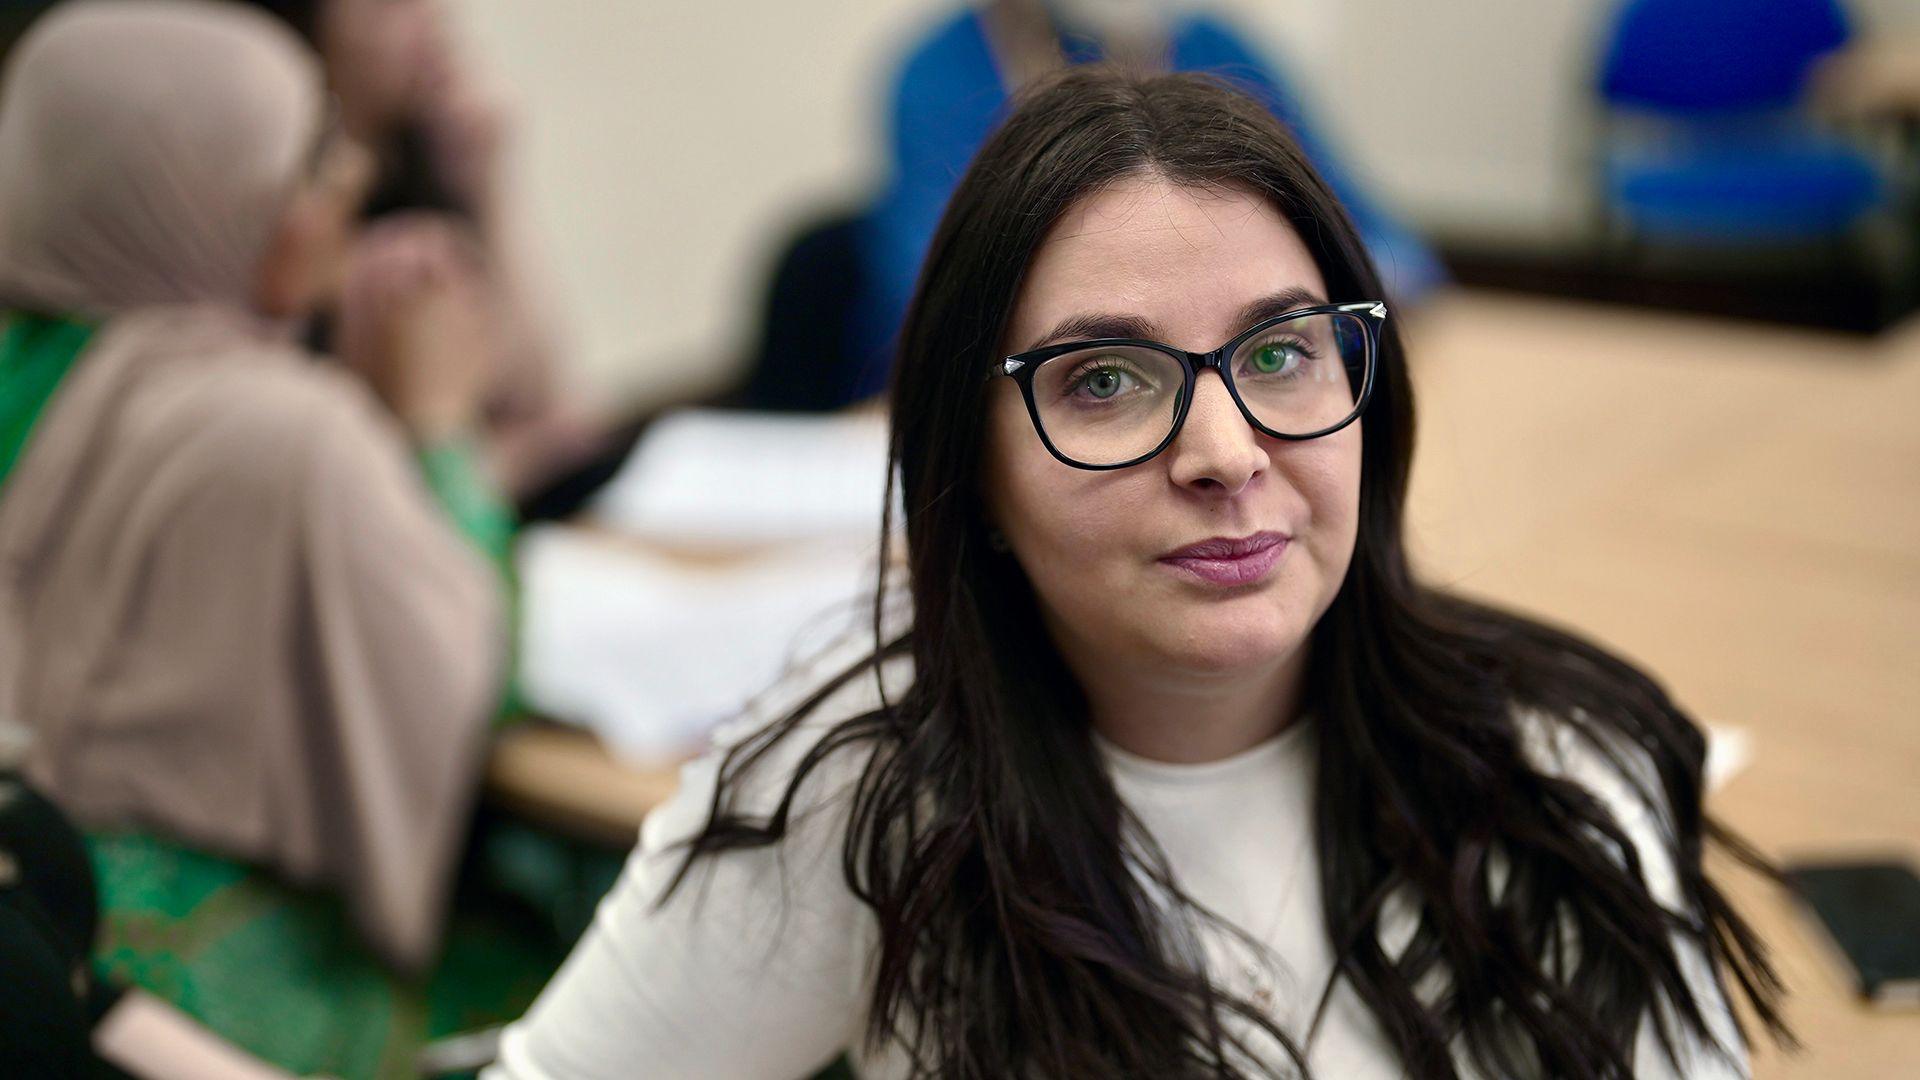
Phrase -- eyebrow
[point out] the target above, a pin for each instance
(1299, 296)
(1088, 326)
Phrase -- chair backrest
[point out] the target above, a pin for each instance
(1716, 56)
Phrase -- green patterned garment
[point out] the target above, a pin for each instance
(459, 484)
(281, 973)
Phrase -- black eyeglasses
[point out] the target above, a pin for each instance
(1115, 402)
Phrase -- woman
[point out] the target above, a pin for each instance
(249, 610)
(1177, 770)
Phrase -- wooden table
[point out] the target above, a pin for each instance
(565, 779)
(1735, 506)
(1738, 508)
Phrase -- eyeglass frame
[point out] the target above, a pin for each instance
(1020, 367)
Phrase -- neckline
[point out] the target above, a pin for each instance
(1253, 759)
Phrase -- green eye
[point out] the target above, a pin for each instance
(1103, 383)
(1270, 358)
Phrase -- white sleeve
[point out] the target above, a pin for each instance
(1650, 829)
(754, 968)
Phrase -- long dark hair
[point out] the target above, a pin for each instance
(1017, 933)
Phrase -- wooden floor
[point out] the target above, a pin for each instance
(1736, 507)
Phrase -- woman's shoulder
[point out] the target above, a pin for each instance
(838, 672)
(795, 738)
(789, 747)
(1623, 771)
(1624, 774)
(263, 424)
(218, 384)
(687, 951)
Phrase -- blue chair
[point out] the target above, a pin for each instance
(1706, 138)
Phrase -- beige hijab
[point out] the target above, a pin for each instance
(229, 611)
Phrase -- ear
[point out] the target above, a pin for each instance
(287, 280)
(278, 289)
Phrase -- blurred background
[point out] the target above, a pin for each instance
(1659, 266)
(664, 155)
(668, 150)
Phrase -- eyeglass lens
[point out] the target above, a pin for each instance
(1110, 405)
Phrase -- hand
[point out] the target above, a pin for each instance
(413, 323)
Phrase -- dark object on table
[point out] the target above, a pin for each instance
(1871, 910)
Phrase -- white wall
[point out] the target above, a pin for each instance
(667, 147)
(1468, 116)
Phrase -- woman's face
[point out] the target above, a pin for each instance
(383, 58)
(304, 262)
(1101, 547)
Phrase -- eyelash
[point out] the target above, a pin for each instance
(1293, 341)
(1072, 381)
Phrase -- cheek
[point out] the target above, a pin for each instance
(1055, 516)
(324, 231)
(1020, 490)
(312, 248)
(1326, 474)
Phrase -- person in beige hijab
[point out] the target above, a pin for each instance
(233, 613)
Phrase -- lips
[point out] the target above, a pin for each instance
(1229, 560)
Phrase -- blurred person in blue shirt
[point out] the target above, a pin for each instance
(954, 87)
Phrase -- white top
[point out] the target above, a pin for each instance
(759, 966)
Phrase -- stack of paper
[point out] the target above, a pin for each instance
(650, 654)
(729, 545)
(707, 478)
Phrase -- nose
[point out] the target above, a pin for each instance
(1217, 452)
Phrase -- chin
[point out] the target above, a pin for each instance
(1224, 638)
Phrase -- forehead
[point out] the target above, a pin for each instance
(1185, 259)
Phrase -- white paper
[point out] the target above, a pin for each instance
(1729, 752)
(649, 652)
(706, 478)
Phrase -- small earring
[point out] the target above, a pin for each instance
(997, 541)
